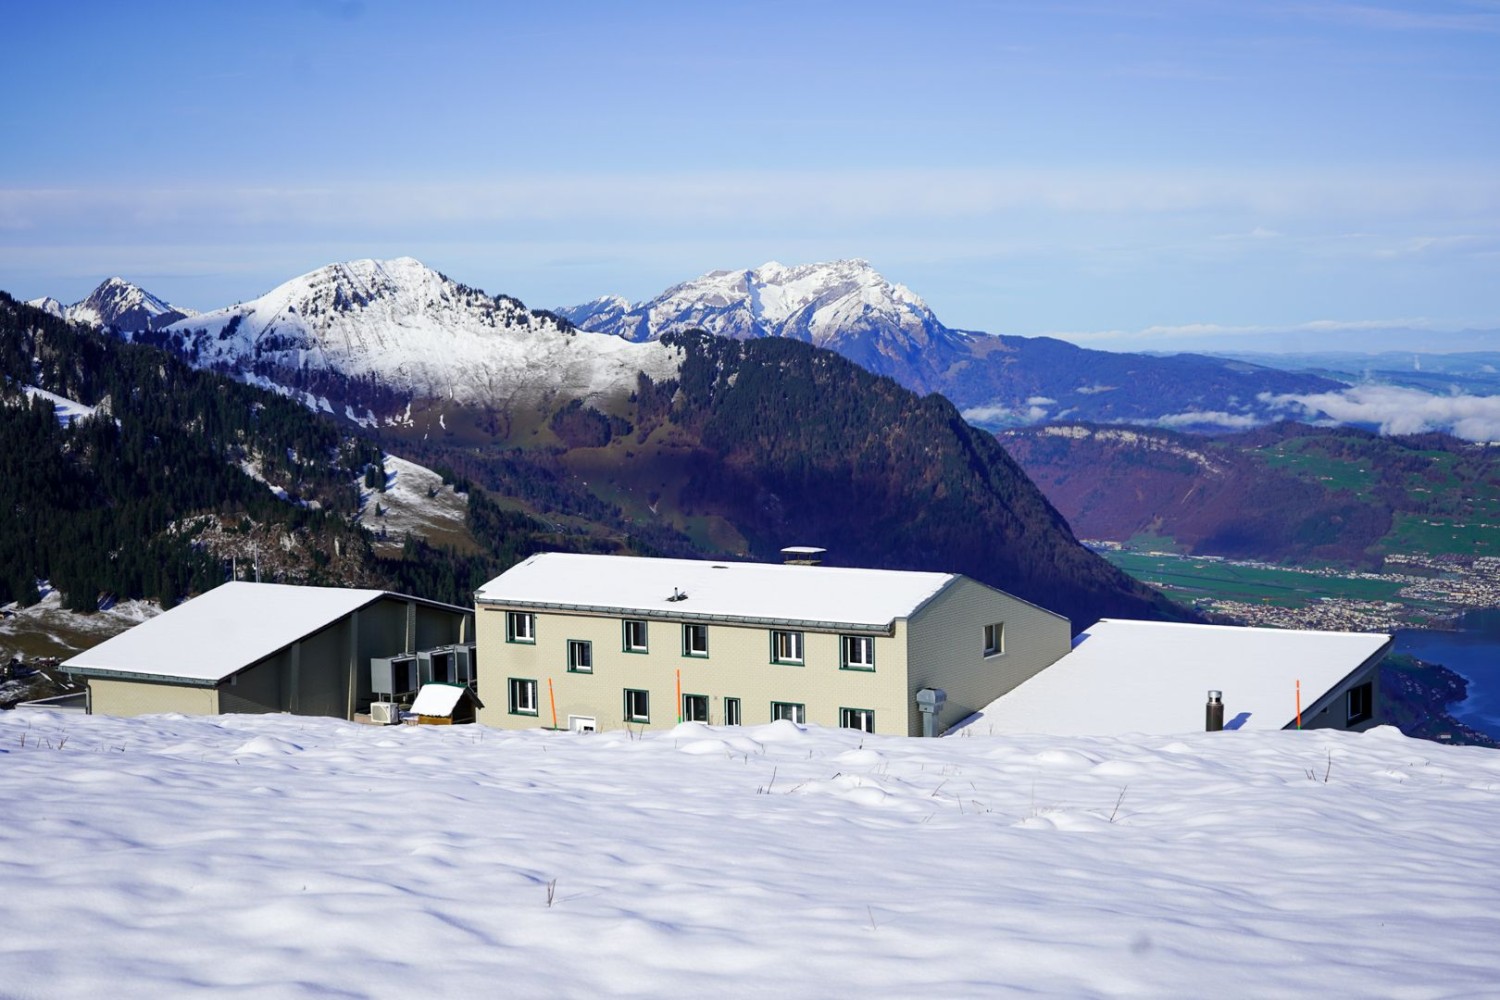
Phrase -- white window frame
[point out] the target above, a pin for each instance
(994, 639)
(702, 699)
(630, 714)
(786, 647)
(862, 719)
(688, 632)
(580, 656)
(732, 714)
(791, 710)
(849, 643)
(526, 632)
(520, 691)
(628, 641)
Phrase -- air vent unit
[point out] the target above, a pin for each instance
(384, 713)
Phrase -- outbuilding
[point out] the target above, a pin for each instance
(263, 647)
(1155, 677)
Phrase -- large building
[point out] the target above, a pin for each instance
(599, 642)
(266, 647)
(1154, 677)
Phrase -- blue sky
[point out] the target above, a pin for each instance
(1142, 175)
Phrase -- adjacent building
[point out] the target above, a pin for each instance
(599, 642)
(1154, 677)
(266, 647)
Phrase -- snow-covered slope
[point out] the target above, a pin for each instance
(418, 333)
(283, 856)
(119, 304)
(844, 305)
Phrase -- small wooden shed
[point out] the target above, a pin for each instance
(440, 704)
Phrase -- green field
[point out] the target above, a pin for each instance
(1412, 533)
(1188, 579)
(1303, 458)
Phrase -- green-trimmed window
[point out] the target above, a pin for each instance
(520, 626)
(790, 710)
(635, 636)
(695, 640)
(637, 705)
(731, 711)
(862, 719)
(857, 652)
(580, 656)
(786, 647)
(695, 708)
(522, 696)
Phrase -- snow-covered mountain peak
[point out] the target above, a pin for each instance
(120, 304)
(415, 331)
(843, 304)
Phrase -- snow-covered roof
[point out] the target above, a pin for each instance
(437, 699)
(1154, 677)
(222, 631)
(810, 596)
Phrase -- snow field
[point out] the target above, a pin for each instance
(276, 856)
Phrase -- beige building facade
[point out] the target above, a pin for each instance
(602, 642)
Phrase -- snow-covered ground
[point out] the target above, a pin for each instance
(274, 856)
(46, 628)
(406, 508)
(67, 410)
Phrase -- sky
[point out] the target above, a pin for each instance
(1163, 174)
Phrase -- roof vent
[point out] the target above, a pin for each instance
(677, 595)
(802, 555)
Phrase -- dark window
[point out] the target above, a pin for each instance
(789, 710)
(1361, 703)
(786, 647)
(637, 705)
(731, 711)
(520, 626)
(695, 640)
(994, 639)
(695, 708)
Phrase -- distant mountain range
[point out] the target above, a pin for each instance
(678, 445)
(997, 381)
(117, 304)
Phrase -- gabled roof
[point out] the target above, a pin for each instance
(223, 631)
(806, 596)
(438, 699)
(1154, 677)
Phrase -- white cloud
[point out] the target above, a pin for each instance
(1397, 410)
(1214, 418)
(1040, 401)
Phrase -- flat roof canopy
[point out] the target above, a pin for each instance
(1154, 677)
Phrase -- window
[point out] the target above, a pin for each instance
(522, 696)
(695, 640)
(635, 636)
(520, 626)
(731, 711)
(994, 639)
(1361, 705)
(695, 708)
(859, 652)
(786, 647)
(637, 705)
(580, 656)
(789, 710)
(857, 718)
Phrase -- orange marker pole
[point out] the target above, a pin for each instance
(553, 699)
(1299, 704)
(679, 696)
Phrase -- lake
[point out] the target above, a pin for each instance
(1473, 651)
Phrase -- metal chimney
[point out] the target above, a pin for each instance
(1214, 712)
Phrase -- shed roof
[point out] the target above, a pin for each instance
(1154, 677)
(811, 596)
(438, 699)
(223, 631)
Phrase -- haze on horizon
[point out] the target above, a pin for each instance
(1178, 175)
